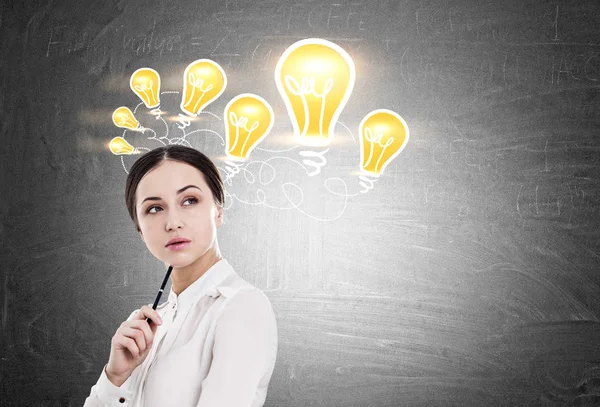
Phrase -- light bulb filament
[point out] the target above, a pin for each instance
(197, 83)
(238, 123)
(376, 139)
(127, 122)
(308, 88)
(145, 89)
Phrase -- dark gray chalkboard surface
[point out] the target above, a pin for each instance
(468, 274)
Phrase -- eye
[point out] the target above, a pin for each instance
(194, 200)
(191, 199)
(150, 208)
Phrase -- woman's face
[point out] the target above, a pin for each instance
(170, 212)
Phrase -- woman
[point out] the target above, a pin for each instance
(214, 342)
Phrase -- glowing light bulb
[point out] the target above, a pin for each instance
(203, 81)
(120, 146)
(383, 135)
(315, 78)
(145, 82)
(123, 117)
(249, 120)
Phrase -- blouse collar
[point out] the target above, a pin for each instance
(206, 284)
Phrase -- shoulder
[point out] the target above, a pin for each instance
(248, 294)
(236, 289)
(248, 309)
(244, 298)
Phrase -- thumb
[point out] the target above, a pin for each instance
(153, 327)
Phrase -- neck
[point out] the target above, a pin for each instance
(183, 277)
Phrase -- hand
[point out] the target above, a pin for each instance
(131, 344)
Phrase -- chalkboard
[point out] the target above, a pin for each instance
(464, 274)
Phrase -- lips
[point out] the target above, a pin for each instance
(176, 240)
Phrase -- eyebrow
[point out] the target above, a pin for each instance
(155, 198)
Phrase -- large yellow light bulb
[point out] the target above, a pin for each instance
(123, 117)
(249, 119)
(315, 78)
(203, 81)
(120, 146)
(383, 135)
(145, 82)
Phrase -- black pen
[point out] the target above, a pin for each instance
(162, 288)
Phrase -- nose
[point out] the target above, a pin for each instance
(173, 220)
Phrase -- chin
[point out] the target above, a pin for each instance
(179, 263)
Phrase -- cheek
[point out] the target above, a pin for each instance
(148, 229)
(151, 228)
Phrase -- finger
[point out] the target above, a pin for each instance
(143, 325)
(153, 328)
(147, 312)
(136, 334)
(123, 342)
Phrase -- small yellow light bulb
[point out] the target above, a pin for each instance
(120, 146)
(249, 119)
(383, 135)
(123, 117)
(203, 82)
(145, 82)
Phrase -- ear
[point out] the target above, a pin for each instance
(141, 235)
(219, 218)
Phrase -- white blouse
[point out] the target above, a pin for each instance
(216, 348)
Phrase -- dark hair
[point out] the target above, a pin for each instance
(187, 155)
